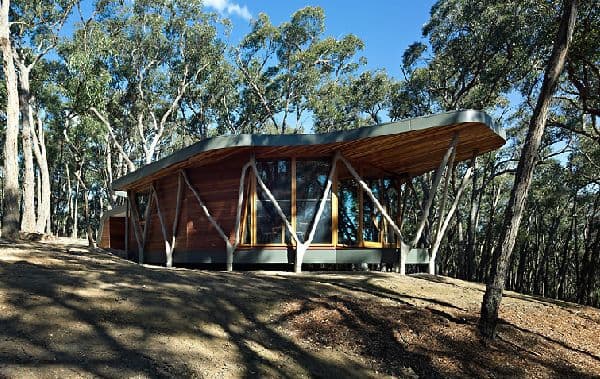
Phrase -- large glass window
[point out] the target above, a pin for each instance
(142, 200)
(277, 177)
(359, 220)
(390, 201)
(372, 218)
(348, 212)
(311, 179)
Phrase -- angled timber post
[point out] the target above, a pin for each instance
(163, 228)
(438, 228)
(210, 219)
(429, 201)
(301, 248)
(238, 217)
(278, 209)
(436, 181)
(135, 222)
(229, 246)
(146, 224)
(404, 247)
(180, 193)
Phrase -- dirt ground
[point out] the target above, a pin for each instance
(66, 312)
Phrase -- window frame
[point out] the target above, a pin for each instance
(251, 206)
(253, 198)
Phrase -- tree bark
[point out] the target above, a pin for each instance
(120, 149)
(527, 162)
(10, 200)
(86, 205)
(28, 221)
(472, 222)
(88, 221)
(75, 230)
(489, 234)
(39, 149)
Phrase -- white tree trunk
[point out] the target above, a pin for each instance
(10, 216)
(443, 226)
(39, 144)
(38, 190)
(28, 219)
(69, 195)
(75, 231)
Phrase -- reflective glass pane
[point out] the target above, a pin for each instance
(277, 177)
(246, 238)
(372, 218)
(348, 206)
(311, 179)
(390, 198)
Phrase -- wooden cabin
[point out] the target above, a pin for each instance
(298, 198)
(112, 229)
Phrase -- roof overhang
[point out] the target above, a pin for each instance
(408, 147)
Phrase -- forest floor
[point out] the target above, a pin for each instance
(67, 311)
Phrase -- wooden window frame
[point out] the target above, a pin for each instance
(253, 197)
(381, 244)
(253, 217)
(293, 199)
(361, 242)
(294, 196)
(359, 192)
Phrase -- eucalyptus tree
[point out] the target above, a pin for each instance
(10, 199)
(410, 96)
(475, 54)
(352, 101)
(333, 109)
(82, 146)
(132, 65)
(282, 67)
(580, 91)
(34, 36)
(212, 107)
(479, 55)
(529, 158)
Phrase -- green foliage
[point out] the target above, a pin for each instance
(135, 62)
(282, 68)
(478, 52)
(38, 23)
(352, 102)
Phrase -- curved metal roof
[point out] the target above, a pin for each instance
(425, 134)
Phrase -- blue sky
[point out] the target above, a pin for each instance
(386, 27)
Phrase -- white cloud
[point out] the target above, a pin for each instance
(229, 8)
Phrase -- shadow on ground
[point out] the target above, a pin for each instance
(71, 312)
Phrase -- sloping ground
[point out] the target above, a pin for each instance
(69, 312)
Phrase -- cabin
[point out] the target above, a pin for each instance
(112, 229)
(296, 199)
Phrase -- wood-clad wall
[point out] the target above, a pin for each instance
(117, 232)
(113, 233)
(104, 241)
(218, 186)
